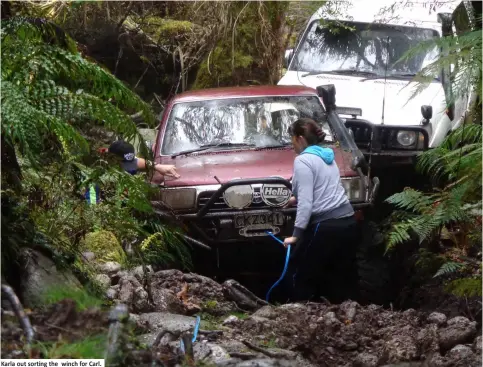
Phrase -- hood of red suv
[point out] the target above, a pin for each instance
(201, 168)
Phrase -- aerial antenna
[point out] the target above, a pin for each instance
(385, 81)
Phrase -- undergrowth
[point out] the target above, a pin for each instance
(90, 347)
(83, 298)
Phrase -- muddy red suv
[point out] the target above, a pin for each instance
(233, 152)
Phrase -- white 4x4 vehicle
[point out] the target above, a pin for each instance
(358, 54)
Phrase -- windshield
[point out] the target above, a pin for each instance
(257, 122)
(365, 47)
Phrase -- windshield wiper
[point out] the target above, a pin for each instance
(341, 71)
(271, 146)
(209, 146)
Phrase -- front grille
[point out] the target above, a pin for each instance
(220, 204)
(362, 133)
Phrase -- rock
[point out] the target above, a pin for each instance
(109, 267)
(366, 360)
(126, 292)
(437, 318)
(427, 339)
(477, 345)
(401, 348)
(350, 309)
(262, 362)
(231, 320)
(210, 353)
(103, 280)
(115, 278)
(88, 256)
(141, 301)
(138, 272)
(112, 293)
(330, 320)
(459, 352)
(166, 301)
(40, 275)
(156, 321)
(459, 331)
(268, 312)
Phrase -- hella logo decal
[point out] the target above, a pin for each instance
(275, 194)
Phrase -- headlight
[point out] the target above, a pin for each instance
(353, 188)
(406, 138)
(179, 198)
(238, 197)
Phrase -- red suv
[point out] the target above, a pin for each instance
(233, 152)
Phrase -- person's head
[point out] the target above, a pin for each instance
(305, 132)
(124, 152)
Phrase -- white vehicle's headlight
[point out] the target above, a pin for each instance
(353, 188)
(406, 138)
(238, 197)
(179, 198)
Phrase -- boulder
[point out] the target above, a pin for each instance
(460, 330)
(176, 324)
(437, 318)
(477, 345)
(232, 319)
(103, 280)
(267, 312)
(109, 267)
(210, 353)
(366, 360)
(166, 301)
(138, 272)
(88, 256)
(401, 348)
(40, 275)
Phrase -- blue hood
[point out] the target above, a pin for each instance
(326, 154)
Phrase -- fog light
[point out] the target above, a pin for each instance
(238, 197)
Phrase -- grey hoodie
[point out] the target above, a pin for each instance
(318, 189)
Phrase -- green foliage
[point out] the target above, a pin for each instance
(81, 296)
(91, 347)
(165, 248)
(448, 268)
(105, 245)
(464, 50)
(465, 287)
(48, 88)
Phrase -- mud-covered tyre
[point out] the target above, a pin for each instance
(376, 283)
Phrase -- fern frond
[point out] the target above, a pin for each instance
(448, 268)
(411, 200)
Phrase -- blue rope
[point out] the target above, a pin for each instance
(195, 334)
(287, 257)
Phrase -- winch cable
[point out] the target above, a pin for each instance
(287, 257)
(195, 334)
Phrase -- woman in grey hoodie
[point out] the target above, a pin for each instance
(326, 233)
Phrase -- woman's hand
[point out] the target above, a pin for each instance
(167, 170)
(291, 202)
(289, 241)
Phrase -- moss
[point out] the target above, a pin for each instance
(82, 297)
(160, 29)
(105, 246)
(209, 305)
(465, 287)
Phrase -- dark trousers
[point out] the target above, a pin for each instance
(323, 263)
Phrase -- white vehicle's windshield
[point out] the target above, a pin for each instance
(257, 122)
(363, 47)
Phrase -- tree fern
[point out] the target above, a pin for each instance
(48, 87)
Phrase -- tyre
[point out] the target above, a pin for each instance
(376, 283)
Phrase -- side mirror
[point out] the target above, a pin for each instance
(427, 112)
(327, 93)
(288, 57)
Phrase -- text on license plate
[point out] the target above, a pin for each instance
(250, 219)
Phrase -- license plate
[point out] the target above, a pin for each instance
(258, 219)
